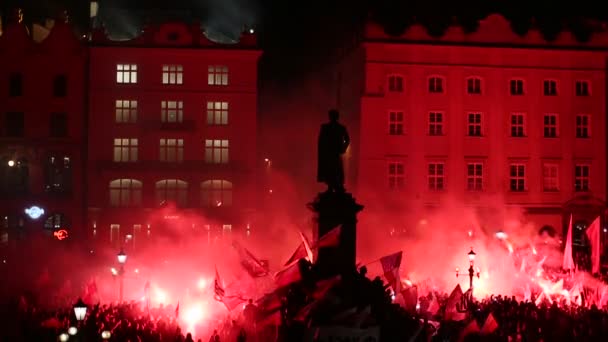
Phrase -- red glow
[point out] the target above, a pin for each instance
(61, 234)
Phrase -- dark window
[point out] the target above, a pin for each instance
(58, 174)
(15, 85)
(59, 125)
(14, 126)
(14, 176)
(60, 86)
(173, 36)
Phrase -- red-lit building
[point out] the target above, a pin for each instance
(172, 135)
(42, 111)
(484, 119)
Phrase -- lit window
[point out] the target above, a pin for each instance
(216, 151)
(395, 123)
(58, 174)
(581, 177)
(435, 123)
(171, 111)
(217, 75)
(516, 87)
(436, 85)
(126, 111)
(55, 222)
(395, 83)
(436, 176)
(125, 193)
(583, 126)
(474, 176)
(550, 177)
(172, 190)
(474, 124)
(115, 234)
(126, 73)
(517, 177)
(396, 175)
(474, 85)
(125, 150)
(549, 88)
(550, 125)
(217, 113)
(582, 88)
(518, 125)
(216, 193)
(171, 150)
(173, 74)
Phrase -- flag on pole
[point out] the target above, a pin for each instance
(568, 263)
(307, 246)
(218, 287)
(593, 233)
(254, 267)
(288, 275)
(390, 266)
(489, 326)
(329, 239)
(453, 307)
(298, 254)
(471, 328)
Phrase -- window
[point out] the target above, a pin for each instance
(395, 83)
(216, 151)
(15, 85)
(550, 177)
(217, 75)
(583, 125)
(173, 74)
(216, 193)
(395, 123)
(582, 88)
(172, 190)
(171, 150)
(435, 123)
(435, 85)
(396, 175)
(550, 125)
(217, 113)
(14, 124)
(581, 177)
(517, 87)
(125, 150)
(474, 176)
(60, 86)
(474, 124)
(115, 234)
(59, 125)
(14, 177)
(517, 177)
(474, 85)
(125, 193)
(518, 125)
(55, 221)
(171, 111)
(549, 87)
(436, 176)
(126, 111)
(126, 73)
(58, 174)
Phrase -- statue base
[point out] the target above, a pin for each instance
(333, 209)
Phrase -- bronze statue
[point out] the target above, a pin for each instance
(333, 142)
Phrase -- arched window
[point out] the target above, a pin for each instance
(172, 190)
(125, 193)
(216, 192)
(55, 222)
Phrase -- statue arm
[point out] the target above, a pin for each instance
(346, 139)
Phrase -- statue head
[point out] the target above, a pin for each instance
(333, 115)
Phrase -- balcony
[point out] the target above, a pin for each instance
(184, 126)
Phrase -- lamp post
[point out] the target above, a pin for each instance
(122, 258)
(80, 310)
(471, 273)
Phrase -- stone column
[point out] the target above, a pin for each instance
(332, 210)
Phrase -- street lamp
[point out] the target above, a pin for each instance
(80, 310)
(471, 272)
(105, 335)
(122, 258)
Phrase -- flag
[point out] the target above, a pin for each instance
(307, 245)
(453, 308)
(269, 317)
(177, 310)
(218, 287)
(471, 328)
(330, 239)
(323, 286)
(433, 307)
(298, 254)
(269, 301)
(410, 298)
(250, 263)
(232, 302)
(288, 275)
(568, 263)
(593, 233)
(390, 266)
(489, 326)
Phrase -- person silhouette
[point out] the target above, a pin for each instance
(333, 142)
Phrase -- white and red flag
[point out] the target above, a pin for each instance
(593, 233)
(453, 309)
(329, 239)
(568, 263)
(490, 325)
(390, 267)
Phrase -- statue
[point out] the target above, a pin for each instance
(333, 142)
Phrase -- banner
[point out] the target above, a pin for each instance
(335, 334)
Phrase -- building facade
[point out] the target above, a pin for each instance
(172, 135)
(42, 110)
(488, 119)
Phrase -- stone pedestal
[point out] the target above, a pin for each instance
(332, 210)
